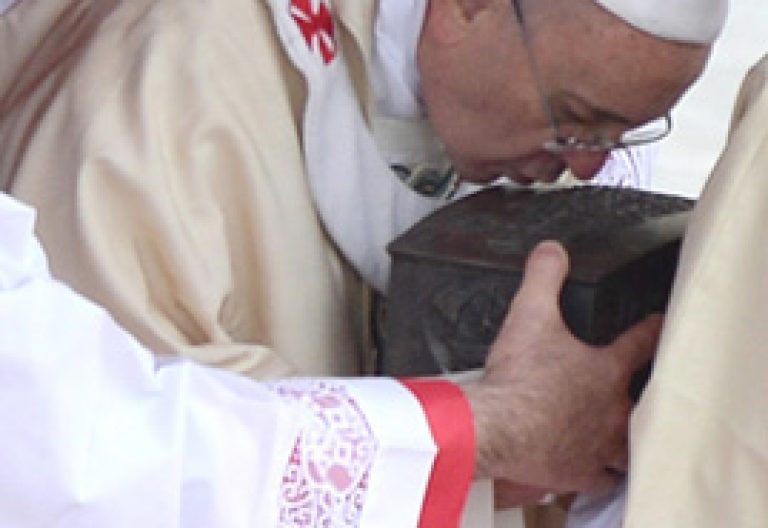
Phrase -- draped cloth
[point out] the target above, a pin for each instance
(699, 450)
(97, 432)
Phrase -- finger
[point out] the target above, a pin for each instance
(600, 481)
(637, 346)
(511, 494)
(604, 482)
(619, 461)
(615, 454)
(545, 272)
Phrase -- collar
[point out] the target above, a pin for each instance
(393, 67)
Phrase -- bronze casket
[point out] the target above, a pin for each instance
(455, 272)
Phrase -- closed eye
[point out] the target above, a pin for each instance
(571, 108)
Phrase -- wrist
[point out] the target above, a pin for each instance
(499, 441)
(476, 395)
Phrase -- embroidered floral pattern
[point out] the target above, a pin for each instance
(326, 477)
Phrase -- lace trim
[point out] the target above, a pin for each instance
(326, 478)
(629, 168)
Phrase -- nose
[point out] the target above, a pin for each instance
(585, 165)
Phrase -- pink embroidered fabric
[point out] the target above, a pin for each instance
(326, 478)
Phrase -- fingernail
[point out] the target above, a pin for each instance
(550, 249)
(552, 246)
(548, 499)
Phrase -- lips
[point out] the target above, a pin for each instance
(537, 168)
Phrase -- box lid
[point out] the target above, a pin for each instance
(602, 228)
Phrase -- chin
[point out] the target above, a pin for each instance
(481, 173)
(543, 168)
(480, 180)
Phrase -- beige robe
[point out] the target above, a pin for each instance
(700, 433)
(159, 141)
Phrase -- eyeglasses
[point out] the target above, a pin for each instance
(649, 132)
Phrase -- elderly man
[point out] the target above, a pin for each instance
(217, 174)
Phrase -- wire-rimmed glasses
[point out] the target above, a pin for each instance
(649, 132)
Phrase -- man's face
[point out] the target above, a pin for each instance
(600, 77)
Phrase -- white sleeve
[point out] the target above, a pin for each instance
(96, 434)
(599, 511)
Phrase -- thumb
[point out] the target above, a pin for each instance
(545, 272)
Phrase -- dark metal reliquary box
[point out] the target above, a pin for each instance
(455, 272)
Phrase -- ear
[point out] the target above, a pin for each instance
(449, 21)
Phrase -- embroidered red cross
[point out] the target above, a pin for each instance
(315, 25)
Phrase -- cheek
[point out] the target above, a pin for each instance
(478, 123)
(486, 134)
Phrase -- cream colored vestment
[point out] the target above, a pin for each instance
(700, 433)
(160, 143)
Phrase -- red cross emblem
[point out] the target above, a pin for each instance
(316, 26)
